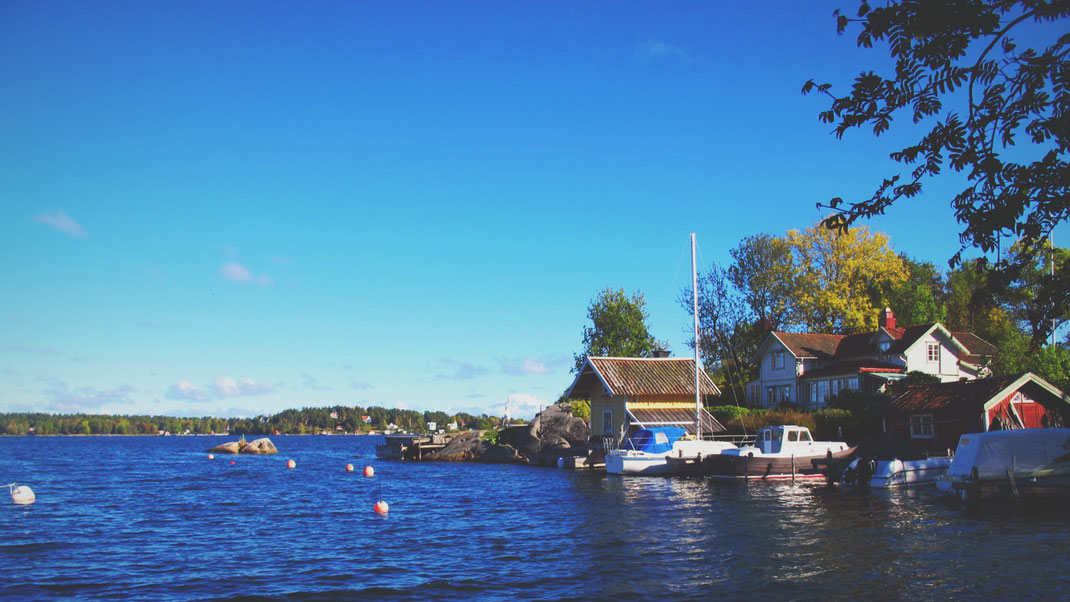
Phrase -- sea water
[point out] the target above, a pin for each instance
(155, 518)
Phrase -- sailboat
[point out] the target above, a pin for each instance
(666, 450)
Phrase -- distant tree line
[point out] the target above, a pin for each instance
(347, 419)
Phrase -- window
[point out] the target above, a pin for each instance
(607, 423)
(884, 346)
(932, 352)
(777, 394)
(778, 360)
(921, 426)
(793, 435)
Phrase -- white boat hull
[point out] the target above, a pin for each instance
(633, 462)
(907, 473)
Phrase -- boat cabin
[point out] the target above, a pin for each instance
(782, 438)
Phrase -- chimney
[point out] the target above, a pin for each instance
(661, 353)
(886, 319)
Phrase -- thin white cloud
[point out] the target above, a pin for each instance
(188, 391)
(59, 220)
(360, 385)
(527, 365)
(455, 370)
(83, 399)
(224, 386)
(232, 271)
(311, 382)
(652, 51)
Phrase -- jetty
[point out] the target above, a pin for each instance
(410, 447)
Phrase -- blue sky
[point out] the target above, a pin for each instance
(234, 208)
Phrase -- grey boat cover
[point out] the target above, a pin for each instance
(1022, 451)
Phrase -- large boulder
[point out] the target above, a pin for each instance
(256, 446)
(262, 445)
(227, 448)
(556, 423)
(471, 447)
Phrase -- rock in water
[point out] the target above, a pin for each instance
(226, 448)
(256, 446)
(259, 446)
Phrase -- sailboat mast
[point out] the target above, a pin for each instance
(694, 302)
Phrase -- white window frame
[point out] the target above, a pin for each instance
(932, 352)
(778, 360)
(921, 426)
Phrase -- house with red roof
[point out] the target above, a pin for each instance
(931, 418)
(807, 369)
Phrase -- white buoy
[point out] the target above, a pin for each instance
(21, 494)
(211, 456)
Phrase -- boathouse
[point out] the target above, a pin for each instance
(629, 393)
(931, 418)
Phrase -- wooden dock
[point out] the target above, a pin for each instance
(410, 447)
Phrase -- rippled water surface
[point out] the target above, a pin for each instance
(154, 518)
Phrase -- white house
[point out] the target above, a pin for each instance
(807, 369)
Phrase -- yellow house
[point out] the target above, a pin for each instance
(629, 393)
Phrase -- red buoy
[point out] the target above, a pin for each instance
(380, 507)
(349, 468)
(369, 471)
(291, 464)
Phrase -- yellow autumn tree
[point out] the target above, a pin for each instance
(836, 274)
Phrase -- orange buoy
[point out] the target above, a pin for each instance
(349, 468)
(232, 461)
(369, 471)
(381, 507)
(291, 464)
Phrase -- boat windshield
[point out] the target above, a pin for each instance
(805, 436)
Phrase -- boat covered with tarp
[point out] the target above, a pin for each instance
(1014, 463)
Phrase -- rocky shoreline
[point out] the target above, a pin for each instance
(553, 434)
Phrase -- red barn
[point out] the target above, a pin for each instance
(931, 418)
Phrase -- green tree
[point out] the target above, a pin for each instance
(728, 335)
(917, 299)
(962, 53)
(618, 327)
(764, 272)
(1022, 296)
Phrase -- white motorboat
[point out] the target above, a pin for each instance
(649, 450)
(779, 452)
(886, 474)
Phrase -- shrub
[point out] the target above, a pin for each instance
(581, 409)
(835, 425)
(725, 414)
